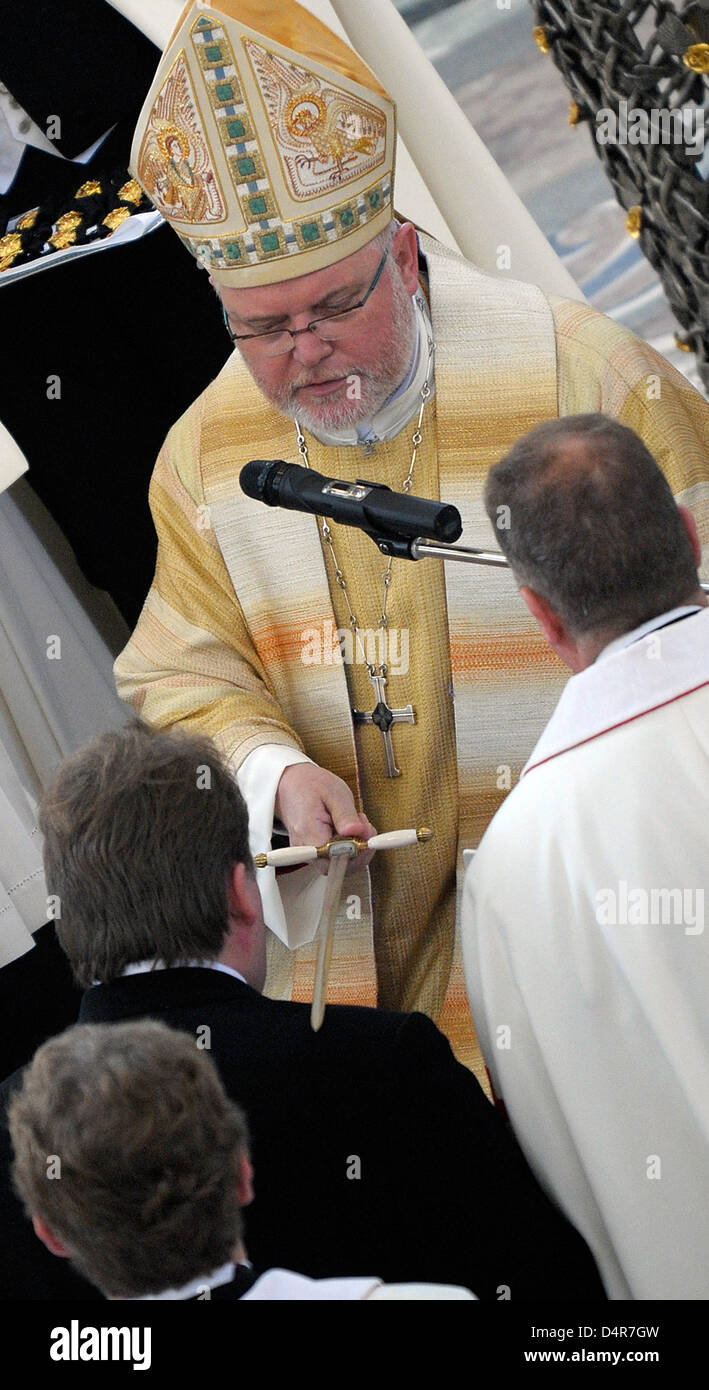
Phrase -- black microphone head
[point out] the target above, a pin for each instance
(281, 484)
(254, 477)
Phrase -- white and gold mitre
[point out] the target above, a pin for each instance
(266, 142)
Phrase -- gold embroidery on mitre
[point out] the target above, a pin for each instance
(325, 136)
(298, 163)
(175, 164)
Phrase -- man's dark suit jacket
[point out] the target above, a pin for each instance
(375, 1152)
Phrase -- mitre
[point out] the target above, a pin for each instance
(265, 142)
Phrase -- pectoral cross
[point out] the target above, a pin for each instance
(384, 717)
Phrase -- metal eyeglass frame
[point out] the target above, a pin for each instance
(311, 327)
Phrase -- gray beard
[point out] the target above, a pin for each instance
(377, 387)
(346, 414)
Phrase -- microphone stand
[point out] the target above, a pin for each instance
(418, 548)
(436, 549)
(403, 547)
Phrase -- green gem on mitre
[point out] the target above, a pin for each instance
(310, 231)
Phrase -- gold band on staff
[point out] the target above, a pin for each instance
(323, 851)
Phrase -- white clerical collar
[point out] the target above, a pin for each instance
(144, 967)
(223, 1275)
(403, 404)
(640, 675)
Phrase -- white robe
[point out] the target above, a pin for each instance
(589, 986)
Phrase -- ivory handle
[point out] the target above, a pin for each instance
(393, 839)
(290, 854)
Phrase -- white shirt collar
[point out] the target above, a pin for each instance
(405, 401)
(280, 1285)
(223, 1275)
(143, 967)
(662, 620)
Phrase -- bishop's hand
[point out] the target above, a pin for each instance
(315, 805)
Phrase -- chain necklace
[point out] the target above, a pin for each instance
(382, 715)
(327, 533)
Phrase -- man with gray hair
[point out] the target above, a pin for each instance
(583, 921)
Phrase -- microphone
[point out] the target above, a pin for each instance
(372, 507)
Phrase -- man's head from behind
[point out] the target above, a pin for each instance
(129, 1157)
(592, 533)
(146, 853)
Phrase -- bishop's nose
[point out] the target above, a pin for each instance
(309, 349)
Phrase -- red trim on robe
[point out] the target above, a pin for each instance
(631, 718)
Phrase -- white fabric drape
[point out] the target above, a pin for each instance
(12, 460)
(48, 707)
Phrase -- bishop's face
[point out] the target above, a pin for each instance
(341, 382)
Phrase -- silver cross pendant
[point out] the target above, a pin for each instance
(383, 717)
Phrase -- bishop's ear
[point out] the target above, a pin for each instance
(405, 251)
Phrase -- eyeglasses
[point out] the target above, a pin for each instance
(277, 341)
